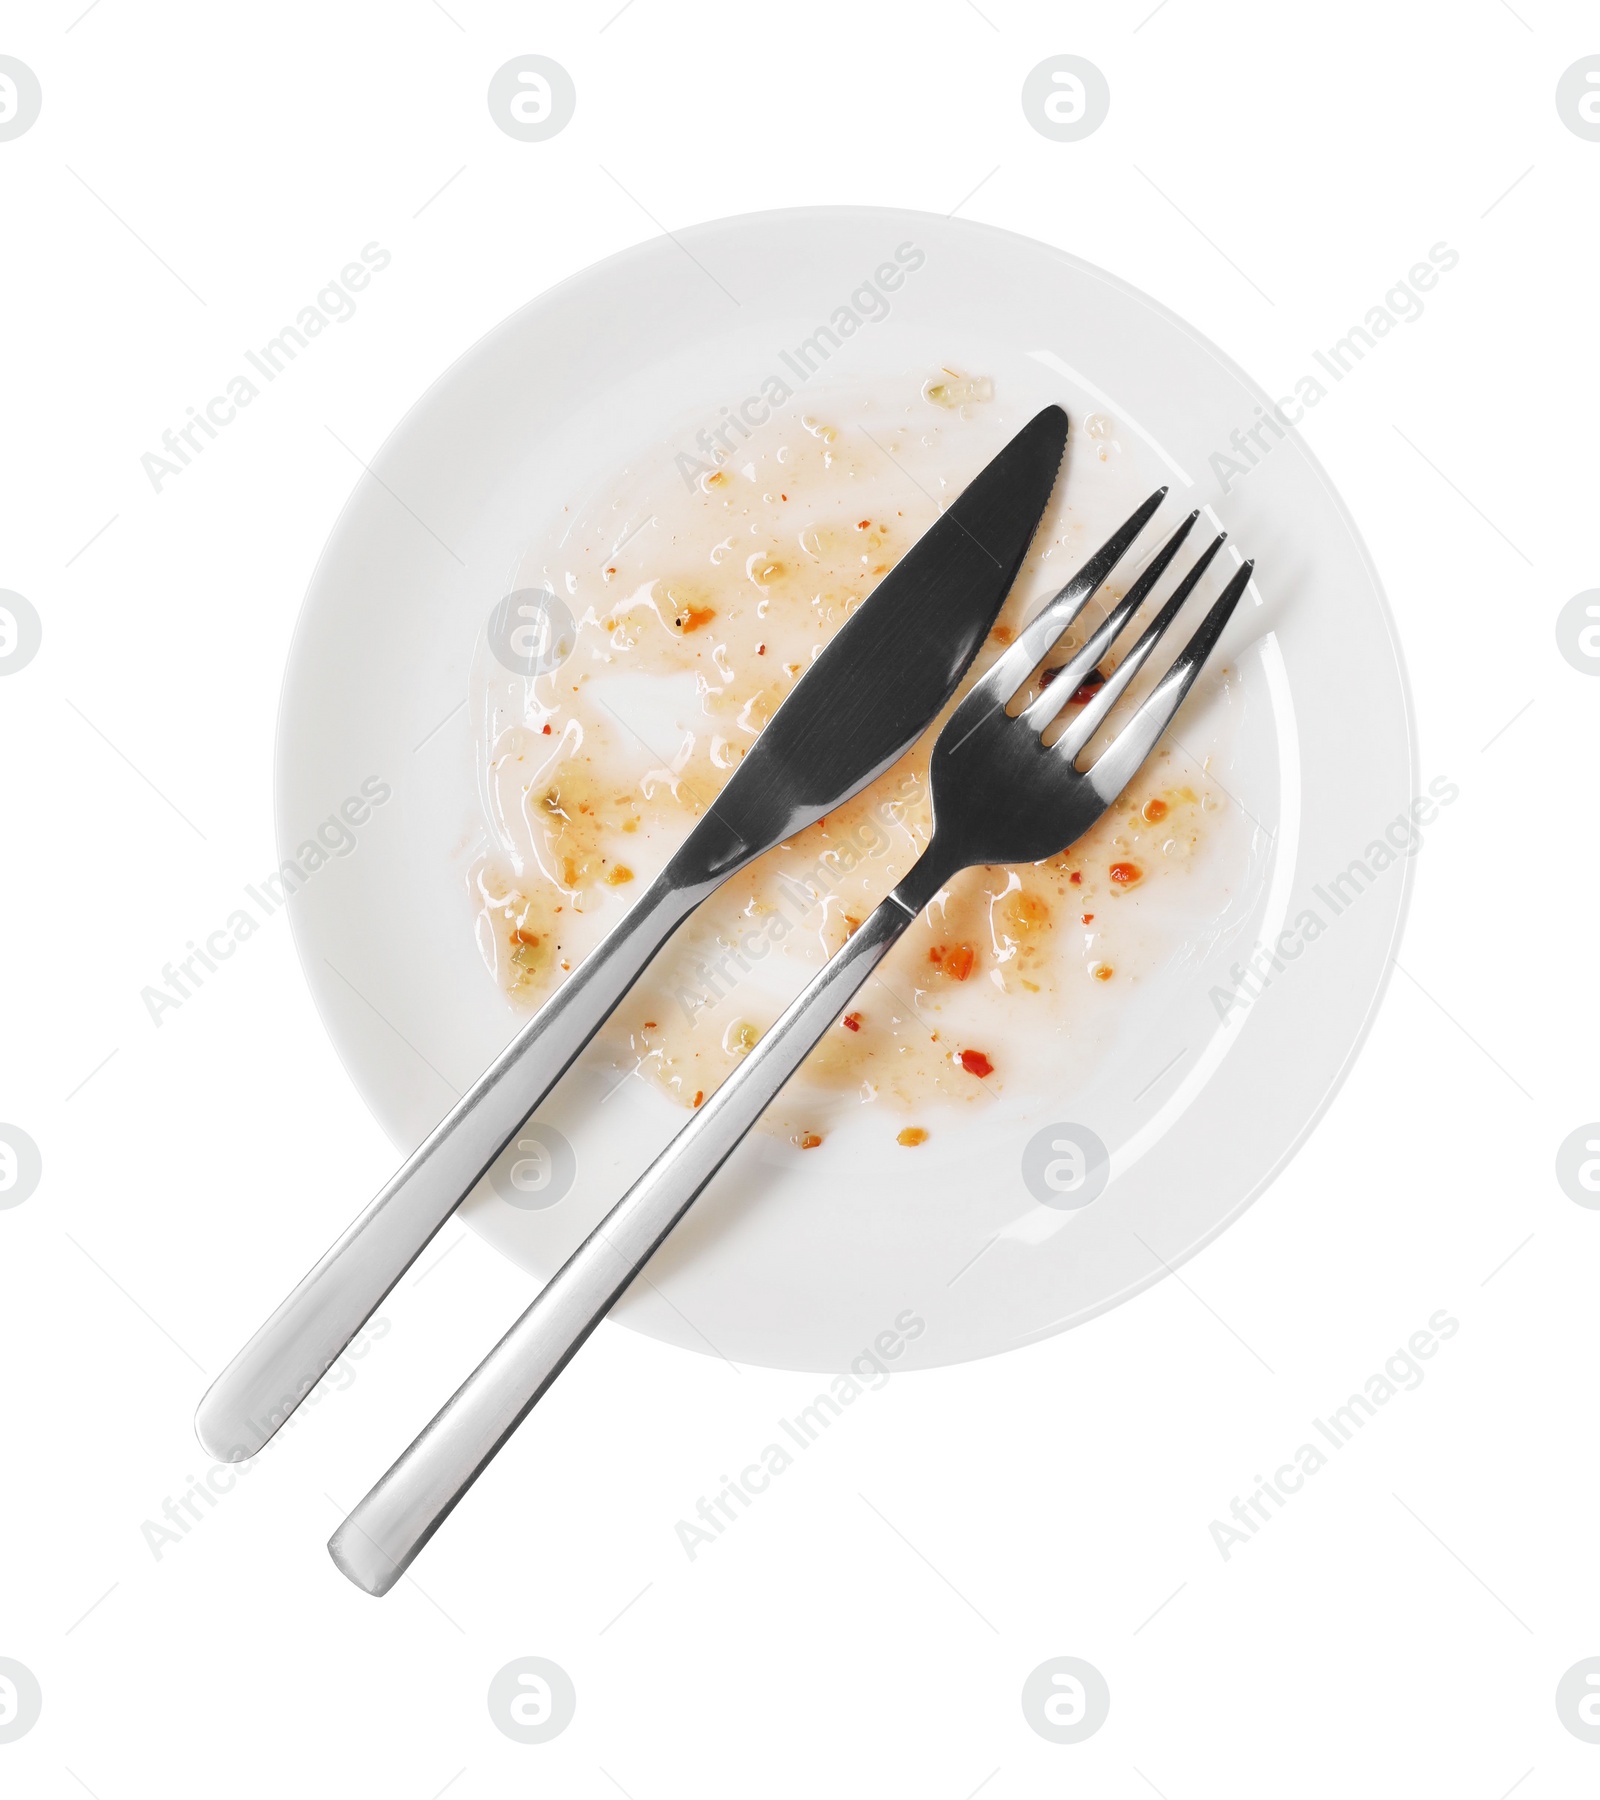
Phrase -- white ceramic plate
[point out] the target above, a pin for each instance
(801, 1261)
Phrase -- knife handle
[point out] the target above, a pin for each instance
(376, 1544)
(297, 1346)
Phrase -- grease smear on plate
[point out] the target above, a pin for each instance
(699, 601)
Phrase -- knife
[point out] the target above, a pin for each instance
(874, 689)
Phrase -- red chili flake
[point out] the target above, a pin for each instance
(649, 1024)
(1125, 874)
(761, 649)
(547, 731)
(976, 1063)
(808, 1140)
(699, 1095)
(863, 524)
(1075, 877)
(852, 1021)
(958, 965)
(1088, 918)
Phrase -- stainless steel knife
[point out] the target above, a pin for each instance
(872, 692)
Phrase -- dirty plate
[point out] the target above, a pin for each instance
(1055, 1199)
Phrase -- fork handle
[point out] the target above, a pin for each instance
(379, 1540)
(301, 1341)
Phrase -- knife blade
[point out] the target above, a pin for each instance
(876, 686)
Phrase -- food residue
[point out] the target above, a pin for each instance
(694, 609)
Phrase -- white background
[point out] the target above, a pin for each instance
(1269, 173)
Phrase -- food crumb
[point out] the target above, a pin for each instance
(976, 1063)
(699, 1095)
(1125, 874)
(912, 1136)
(1103, 971)
(807, 1140)
(618, 873)
(954, 960)
(958, 392)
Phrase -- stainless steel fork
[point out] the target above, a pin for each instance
(1001, 794)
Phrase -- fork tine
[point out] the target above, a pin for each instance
(1082, 728)
(1033, 643)
(1066, 681)
(1112, 772)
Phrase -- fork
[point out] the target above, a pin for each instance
(1001, 794)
